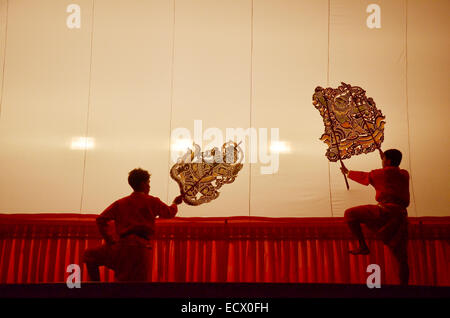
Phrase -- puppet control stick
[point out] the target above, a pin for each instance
(345, 177)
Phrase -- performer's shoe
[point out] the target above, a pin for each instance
(360, 251)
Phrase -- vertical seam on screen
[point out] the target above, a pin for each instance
(251, 104)
(407, 105)
(171, 97)
(4, 58)
(328, 84)
(328, 43)
(88, 107)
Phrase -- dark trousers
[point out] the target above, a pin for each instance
(130, 259)
(391, 226)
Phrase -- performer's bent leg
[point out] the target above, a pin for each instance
(399, 248)
(93, 272)
(133, 264)
(395, 234)
(400, 255)
(92, 267)
(94, 258)
(354, 217)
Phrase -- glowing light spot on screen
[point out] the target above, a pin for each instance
(280, 147)
(182, 144)
(82, 143)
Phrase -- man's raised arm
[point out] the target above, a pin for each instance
(166, 211)
(358, 176)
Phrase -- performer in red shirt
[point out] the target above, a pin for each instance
(389, 218)
(134, 217)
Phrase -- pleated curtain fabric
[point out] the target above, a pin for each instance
(38, 249)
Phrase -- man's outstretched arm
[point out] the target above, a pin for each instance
(166, 211)
(358, 176)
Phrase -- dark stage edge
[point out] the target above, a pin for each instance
(218, 290)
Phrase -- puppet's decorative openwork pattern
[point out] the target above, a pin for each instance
(352, 121)
(200, 174)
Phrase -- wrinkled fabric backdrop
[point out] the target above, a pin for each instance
(136, 70)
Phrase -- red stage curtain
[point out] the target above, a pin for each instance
(37, 248)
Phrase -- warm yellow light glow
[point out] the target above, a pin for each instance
(280, 147)
(82, 143)
(181, 144)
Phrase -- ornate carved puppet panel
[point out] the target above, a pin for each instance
(200, 174)
(353, 124)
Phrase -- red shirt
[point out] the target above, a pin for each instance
(391, 184)
(135, 214)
